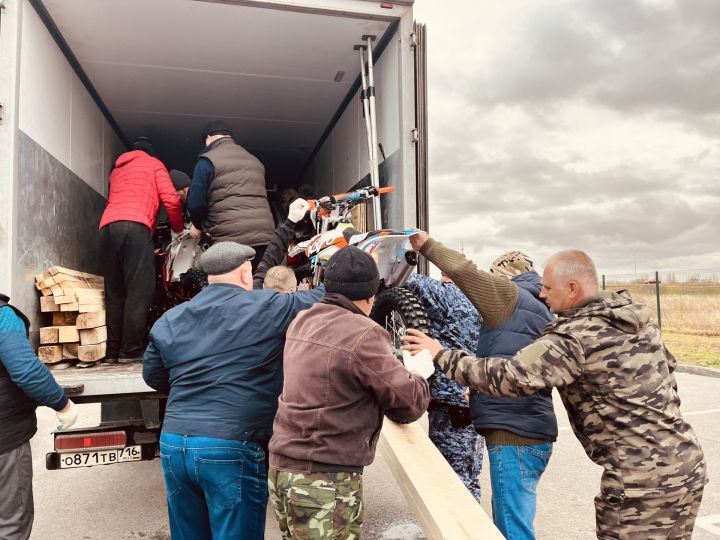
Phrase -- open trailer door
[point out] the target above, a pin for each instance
(421, 132)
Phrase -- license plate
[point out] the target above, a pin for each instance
(102, 457)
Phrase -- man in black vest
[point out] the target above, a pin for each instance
(25, 383)
(227, 197)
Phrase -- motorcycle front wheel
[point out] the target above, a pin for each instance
(396, 309)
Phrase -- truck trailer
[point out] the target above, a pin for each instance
(80, 79)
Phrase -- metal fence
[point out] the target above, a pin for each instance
(683, 301)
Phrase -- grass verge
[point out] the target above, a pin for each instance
(694, 349)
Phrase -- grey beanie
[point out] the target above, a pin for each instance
(179, 179)
(225, 257)
(352, 273)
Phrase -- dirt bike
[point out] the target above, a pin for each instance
(177, 278)
(395, 308)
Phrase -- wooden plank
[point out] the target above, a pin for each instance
(66, 299)
(83, 293)
(92, 336)
(70, 351)
(67, 281)
(90, 320)
(96, 300)
(90, 308)
(58, 334)
(68, 334)
(60, 365)
(48, 282)
(438, 498)
(60, 270)
(50, 353)
(47, 304)
(46, 292)
(91, 353)
(57, 290)
(49, 334)
(70, 307)
(64, 318)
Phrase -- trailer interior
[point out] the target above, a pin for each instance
(89, 76)
(163, 69)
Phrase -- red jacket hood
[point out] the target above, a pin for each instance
(127, 157)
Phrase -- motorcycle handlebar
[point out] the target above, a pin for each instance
(363, 193)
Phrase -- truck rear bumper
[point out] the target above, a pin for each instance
(138, 444)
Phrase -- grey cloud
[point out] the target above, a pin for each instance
(625, 54)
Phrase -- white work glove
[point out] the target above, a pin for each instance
(421, 363)
(69, 417)
(297, 210)
(174, 236)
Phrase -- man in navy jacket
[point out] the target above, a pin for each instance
(519, 431)
(219, 359)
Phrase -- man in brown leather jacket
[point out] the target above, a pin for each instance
(341, 377)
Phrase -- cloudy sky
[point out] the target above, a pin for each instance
(592, 124)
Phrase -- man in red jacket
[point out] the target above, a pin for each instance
(138, 183)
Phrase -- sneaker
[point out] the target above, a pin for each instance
(130, 360)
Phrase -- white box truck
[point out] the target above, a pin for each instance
(79, 79)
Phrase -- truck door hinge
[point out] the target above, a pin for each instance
(415, 135)
(2, 112)
(413, 39)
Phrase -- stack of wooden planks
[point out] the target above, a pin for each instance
(76, 301)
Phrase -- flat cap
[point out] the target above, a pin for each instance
(217, 127)
(225, 257)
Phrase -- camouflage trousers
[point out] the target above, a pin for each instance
(649, 518)
(317, 506)
(462, 447)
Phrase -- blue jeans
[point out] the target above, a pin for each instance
(216, 488)
(514, 475)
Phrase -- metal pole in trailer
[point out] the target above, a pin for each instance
(375, 169)
(366, 105)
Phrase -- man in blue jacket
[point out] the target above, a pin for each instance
(219, 359)
(25, 383)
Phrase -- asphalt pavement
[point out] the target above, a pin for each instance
(127, 501)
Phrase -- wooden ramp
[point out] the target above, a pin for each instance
(438, 498)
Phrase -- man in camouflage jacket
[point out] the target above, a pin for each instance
(614, 375)
(455, 324)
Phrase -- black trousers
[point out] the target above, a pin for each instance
(126, 250)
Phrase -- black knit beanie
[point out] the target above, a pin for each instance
(144, 144)
(352, 273)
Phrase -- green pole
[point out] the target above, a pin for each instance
(657, 296)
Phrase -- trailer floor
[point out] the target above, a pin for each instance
(104, 379)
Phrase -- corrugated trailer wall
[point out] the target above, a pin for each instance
(65, 150)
